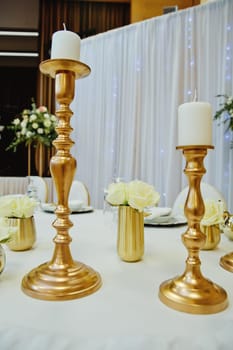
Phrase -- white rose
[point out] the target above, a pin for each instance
(35, 125)
(47, 123)
(24, 207)
(29, 134)
(19, 207)
(40, 131)
(117, 193)
(6, 206)
(32, 117)
(16, 121)
(213, 213)
(141, 195)
(24, 123)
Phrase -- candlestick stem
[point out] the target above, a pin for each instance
(62, 278)
(191, 292)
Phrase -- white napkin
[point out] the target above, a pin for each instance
(157, 212)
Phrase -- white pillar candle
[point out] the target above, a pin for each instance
(65, 45)
(195, 124)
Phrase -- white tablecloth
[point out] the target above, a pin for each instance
(125, 313)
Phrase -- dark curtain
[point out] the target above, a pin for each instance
(83, 17)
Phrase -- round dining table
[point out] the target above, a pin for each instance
(126, 312)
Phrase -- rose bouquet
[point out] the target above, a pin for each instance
(136, 194)
(35, 125)
(17, 206)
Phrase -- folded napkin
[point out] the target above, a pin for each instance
(157, 212)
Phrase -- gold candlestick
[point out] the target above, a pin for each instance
(191, 292)
(62, 278)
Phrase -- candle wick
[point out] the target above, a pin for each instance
(64, 26)
(195, 96)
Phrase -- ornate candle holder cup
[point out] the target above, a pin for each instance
(62, 278)
(191, 292)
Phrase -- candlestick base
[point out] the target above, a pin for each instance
(53, 282)
(226, 262)
(189, 295)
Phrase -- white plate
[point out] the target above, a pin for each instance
(50, 208)
(166, 221)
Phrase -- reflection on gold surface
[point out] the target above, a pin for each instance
(62, 278)
(191, 292)
(213, 236)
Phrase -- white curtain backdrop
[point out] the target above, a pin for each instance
(125, 111)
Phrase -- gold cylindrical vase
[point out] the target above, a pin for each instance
(213, 236)
(25, 233)
(130, 235)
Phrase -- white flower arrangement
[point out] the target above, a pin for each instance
(35, 125)
(6, 232)
(136, 194)
(213, 213)
(17, 206)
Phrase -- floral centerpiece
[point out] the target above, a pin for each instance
(18, 226)
(35, 125)
(131, 198)
(136, 194)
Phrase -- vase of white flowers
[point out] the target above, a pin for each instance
(35, 127)
(25, 233)
(131, 199)
(16, 213)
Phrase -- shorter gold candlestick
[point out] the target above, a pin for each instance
(62, 278)
(191, 292)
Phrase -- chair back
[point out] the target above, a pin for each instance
(39, 185)
(79, 191)
(207, 191)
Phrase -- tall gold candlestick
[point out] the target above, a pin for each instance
(191, 292)
(62, 278)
